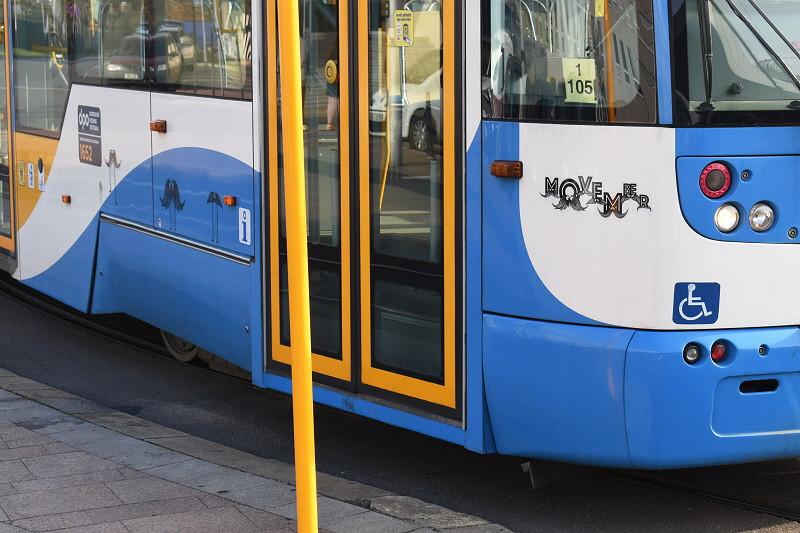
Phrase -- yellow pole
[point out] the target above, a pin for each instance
(297, 251)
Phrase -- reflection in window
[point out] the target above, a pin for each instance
(569, 60)
(197, 46)
(41, 73)
(5, 183)
(319, 31)
(405, 143)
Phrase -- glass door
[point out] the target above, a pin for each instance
(7, 211)
(407, 199)
(400, 207)
(323, 31)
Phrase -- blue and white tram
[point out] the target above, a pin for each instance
(558, 229)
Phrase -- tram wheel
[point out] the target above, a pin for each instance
(179, 348)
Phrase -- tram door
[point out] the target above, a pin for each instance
(7, 204)
(379, 140)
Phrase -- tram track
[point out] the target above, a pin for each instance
(655, 481)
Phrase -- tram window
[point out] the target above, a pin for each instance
(754, 69)
(41, 73)
(406, 172)
(204, 46)
(319, 33)
(569, 60)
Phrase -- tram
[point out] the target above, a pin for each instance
(556, 229)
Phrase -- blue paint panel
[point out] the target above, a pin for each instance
(773, 179)
(200, 297)
(69, 279)
(681, 416)
(555, 391)
(479, 436)
(132, 199)
(724, 142)
(510, 283)
(199, 174)
(363, 407)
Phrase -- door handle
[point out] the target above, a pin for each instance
(158, 126)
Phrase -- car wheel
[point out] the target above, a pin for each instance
(419, 134)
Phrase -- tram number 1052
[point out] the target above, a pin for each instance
(89, 150)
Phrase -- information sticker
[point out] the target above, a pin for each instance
(404, 27)
(600, 8)
(579, 80)
(244, 226)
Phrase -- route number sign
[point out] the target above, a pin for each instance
(579, 80)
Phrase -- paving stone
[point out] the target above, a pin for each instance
(328, 510)
(221, 520)
(270, 494)
(211, 501)
(130, 473)
(16, 402)
(12, 432)
(346, 490)
(116, 445)
(23, 452)
(131, 425)
(423, 513)
(8, 528)
(3, 515)
(183, 470)
(111, 527)
(7, 488)
(30, 504)
(267, 521)
(138, 510)
(74, 406)
(3, 445)
(74, 480)
(56, 521)
(31, 413)
(13, 471)
(485, 528)
(82, 434)
(65, 464)
(58, 424)
(16, 383)
(225, 480)
(143, 459)
(368, 522)
(59, 447)
(38, 394)
(148, 489)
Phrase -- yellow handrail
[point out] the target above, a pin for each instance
(297, 251)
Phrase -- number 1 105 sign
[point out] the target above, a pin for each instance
(579, 80)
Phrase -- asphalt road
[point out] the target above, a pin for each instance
(232, 412)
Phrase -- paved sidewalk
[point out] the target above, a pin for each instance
(70, 465)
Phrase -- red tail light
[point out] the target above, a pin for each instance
(718, 351)
(715, 180)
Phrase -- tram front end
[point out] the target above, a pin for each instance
(640, 299)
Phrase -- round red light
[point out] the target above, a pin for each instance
(718, 352)
(715, 180)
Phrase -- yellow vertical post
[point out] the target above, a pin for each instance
(297, 251)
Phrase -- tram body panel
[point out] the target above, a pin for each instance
(56, 245)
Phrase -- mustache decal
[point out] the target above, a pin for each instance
(581, 192)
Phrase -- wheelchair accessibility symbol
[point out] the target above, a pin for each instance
(695, 303)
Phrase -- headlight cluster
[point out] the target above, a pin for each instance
(715, 182)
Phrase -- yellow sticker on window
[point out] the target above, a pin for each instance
(579, 80)
(404, 27)
(600, 8)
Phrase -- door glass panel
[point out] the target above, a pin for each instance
(319, 30)
(405, 180)
(5, 182)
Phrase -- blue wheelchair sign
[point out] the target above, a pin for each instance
(695, 303)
